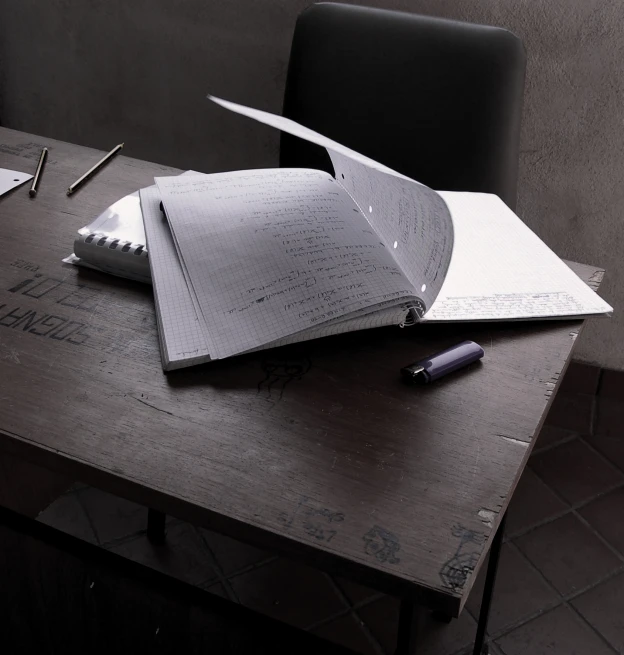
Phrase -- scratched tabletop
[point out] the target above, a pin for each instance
(316, 450)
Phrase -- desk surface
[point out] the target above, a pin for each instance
(317, 450)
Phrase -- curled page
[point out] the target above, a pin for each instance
(287, 125)
(411, 219)
(502, 271)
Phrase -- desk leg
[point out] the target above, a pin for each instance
(407, 633)
(480, 647)
(156, 526)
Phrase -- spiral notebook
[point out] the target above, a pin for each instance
(114, 242)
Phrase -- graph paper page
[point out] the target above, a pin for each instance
(183, 339)
(272, 252)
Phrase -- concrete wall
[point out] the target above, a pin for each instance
(98, 72)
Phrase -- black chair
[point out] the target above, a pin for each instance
(437, 100)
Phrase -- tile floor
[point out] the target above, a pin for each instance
(560, 587)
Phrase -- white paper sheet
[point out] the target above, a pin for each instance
(10, 179)
(411, 219)
(501, 270)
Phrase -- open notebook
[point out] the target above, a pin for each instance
(255, 259)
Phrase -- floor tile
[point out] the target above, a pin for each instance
(440, 638)
(603, 607)
(532, 502)
(347, 631)
(575, 471)
(551, 435)
(184, 554)
(606, 516)
(568, 554)
(112, 517)
(519, 591)
(290, 592)
(218, 590)
(77, 486)
(27, 488)
(571, 411)
(612, 385)
(437, 638)
(231, 554)
(356, 593)
(611, 447)
(66, 514)
(559, 632)
(580, 378)
(609, 417)
(494, 649)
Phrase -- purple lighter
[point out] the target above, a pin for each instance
(449, 360)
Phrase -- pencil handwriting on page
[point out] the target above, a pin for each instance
(502, 270)
(410, 218)
(502, 306)
(273, 252)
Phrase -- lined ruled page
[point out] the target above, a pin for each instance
(501, 270)
(270, 253)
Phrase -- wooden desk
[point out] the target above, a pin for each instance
(317, 450)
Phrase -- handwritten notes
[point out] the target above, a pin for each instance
(507, 306)
(10, 179)
(269, 253)
(501, 270)
(411, 219)
(287, 125)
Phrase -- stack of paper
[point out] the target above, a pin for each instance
(255, 259)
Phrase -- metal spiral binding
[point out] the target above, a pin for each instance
(103, 241)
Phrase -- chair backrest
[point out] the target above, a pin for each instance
(437, 100)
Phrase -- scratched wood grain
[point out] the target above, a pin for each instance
(316, 450)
